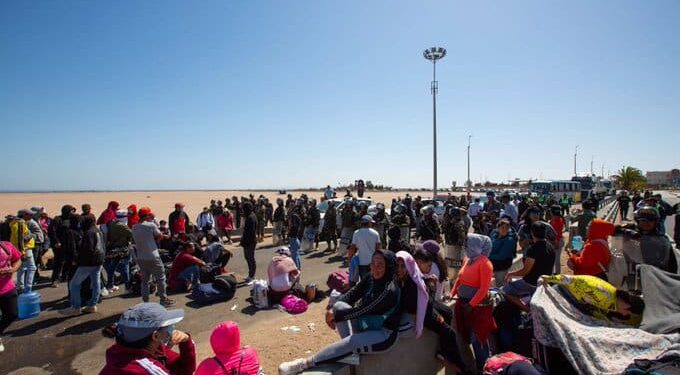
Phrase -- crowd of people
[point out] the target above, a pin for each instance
(409, 269)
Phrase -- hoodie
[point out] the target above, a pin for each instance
(121, 360)
(595, 256)
(133, 216)
(109, 213)
(226, 344)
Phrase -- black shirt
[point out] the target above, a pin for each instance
(543, 255)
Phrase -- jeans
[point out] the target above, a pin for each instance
(74, 285)
(26, 271)
(152, 267)
(112, 265)
(354, 341)
(59, 267)
(481, 350)
(249, 253)
(9, 309)
(294, 251)
(190, 274)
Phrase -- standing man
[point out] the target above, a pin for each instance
(509, 208)
(37, 235)
(24, 241)
(249, 239)
(624, 205)
(205, 222)
(328, 193)
(89, 261)
(145, 234)
(278, 218)
(366, 241)
(64, 232)
(295, 231)
(565, 205)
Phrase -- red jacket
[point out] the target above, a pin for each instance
(121, 360)
(595, 251)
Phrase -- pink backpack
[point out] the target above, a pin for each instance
(293, 304)
(338, 280)
(497, 363)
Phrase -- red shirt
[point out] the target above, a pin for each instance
(557, 223)
(182, 261)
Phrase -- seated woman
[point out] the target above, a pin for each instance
(598, 298)
(366, 317)
(284, 278)
(595, 257)
(215, 253)
(433, 268)
(184, 271)
(230, 357)
(503, 251)
(473, 310)
(416, 301)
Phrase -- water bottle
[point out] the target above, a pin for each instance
(577, 243)
(29, 305)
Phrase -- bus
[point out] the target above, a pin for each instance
(587, 184)
(557, 188)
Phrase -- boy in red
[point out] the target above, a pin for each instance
(594, 258)
(557, 224)
(185, 269)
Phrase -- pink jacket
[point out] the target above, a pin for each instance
(226, 344)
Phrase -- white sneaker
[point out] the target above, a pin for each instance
(2, 347)
(114, 289)
(293, 367)
(90, 309)
(104, 292)
(69, 311)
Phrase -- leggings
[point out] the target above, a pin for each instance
(353, 341)
(9, 309)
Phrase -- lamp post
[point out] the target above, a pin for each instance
(433, 54)
(469, 183)
(575, 153)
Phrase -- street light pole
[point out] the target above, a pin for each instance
(575, 153)
(468, 182)
(433, 54)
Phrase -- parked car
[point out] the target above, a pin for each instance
(339, 206)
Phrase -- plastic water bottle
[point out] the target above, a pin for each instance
(29, 305)
(577, 243)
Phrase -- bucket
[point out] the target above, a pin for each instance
(29, 305)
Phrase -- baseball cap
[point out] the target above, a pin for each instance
(367, 219)
(143, 319)
(145, 211)
(121, 213)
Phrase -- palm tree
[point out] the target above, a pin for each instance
(630, 178)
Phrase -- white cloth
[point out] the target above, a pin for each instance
(475, 208)
(281, 283)
(510, 210)
(365, 239)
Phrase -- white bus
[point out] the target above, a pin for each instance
(557, 188)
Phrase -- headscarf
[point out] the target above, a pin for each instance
(133, 216)
(423, 297)
(121, 216)
(477, 245)
(431, 246)
(109, 214)
(390, 267)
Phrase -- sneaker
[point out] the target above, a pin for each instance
(2, 347)
(114, 289)
(167, 302)
(104, 292)
(70, 311)
(293, 367)
(90, 309)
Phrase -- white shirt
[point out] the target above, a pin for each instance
(510, 210)
(365, 239)
(475, 208)
(281, 283)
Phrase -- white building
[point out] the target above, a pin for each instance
(663, 178)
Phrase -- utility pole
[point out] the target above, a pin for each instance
(433, 54)
(469, 183)
(575, 153)
(592, 159)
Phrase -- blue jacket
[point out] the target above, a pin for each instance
(504, 248)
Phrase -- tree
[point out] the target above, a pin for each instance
(630, 178)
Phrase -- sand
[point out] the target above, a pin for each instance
(161, 202)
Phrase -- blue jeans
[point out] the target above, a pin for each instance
(294, 251)
(190, 274)
(123, 265)
(26, 271)
(481, 350)
(74, 285)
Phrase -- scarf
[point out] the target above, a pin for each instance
(476, 246)
(423, 297)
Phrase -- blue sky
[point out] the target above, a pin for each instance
(269, 94)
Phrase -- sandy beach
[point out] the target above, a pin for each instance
(161, 202)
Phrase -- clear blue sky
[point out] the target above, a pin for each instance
(269, 94)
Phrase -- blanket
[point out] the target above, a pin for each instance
(662, 300)
(592, 346)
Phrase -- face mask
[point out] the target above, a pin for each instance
(169, 330)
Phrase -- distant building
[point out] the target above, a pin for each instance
(664, 178)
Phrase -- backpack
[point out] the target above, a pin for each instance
(226, 284)
(208, 273)
(338, 280)
(498, 363)
(205, 294)
(260, 294)
(294, 304)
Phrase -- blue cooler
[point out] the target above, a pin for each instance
(29, 305)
